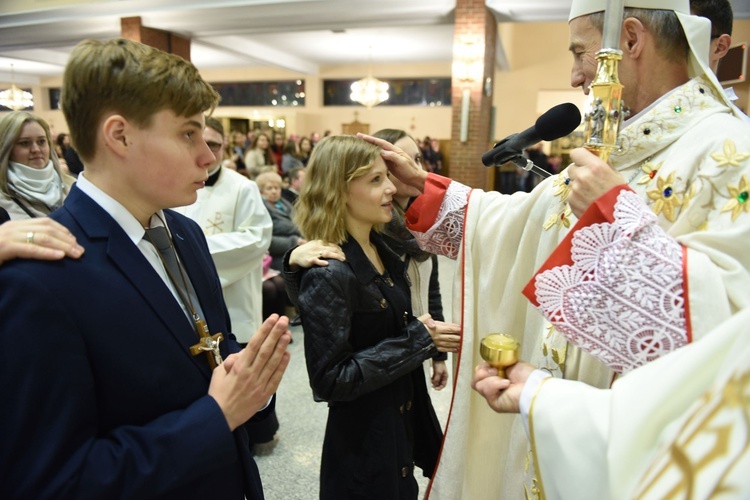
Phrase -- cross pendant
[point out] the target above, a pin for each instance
(208, 344)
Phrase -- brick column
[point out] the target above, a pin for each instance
(474, 25)
(132, 29)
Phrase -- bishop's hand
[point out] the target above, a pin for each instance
(590, 178)
(399, 163)
(503, 395)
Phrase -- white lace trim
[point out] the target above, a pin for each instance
(444, 237)
(622, 299)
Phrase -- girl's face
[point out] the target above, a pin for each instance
(271, 192)
(305, 145)
(370, 196)
(31, 148)
(262, 142)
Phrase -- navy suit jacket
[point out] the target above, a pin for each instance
(103, 399)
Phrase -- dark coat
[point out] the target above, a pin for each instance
(364, 353)
(103, 398)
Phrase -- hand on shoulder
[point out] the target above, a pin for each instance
(41, 238)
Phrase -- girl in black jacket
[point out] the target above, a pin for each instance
(363, 347)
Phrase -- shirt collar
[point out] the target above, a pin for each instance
(119, 213)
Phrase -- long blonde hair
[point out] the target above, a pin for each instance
(335, 162)
(11, 126)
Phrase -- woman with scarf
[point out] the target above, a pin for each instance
(31, 182)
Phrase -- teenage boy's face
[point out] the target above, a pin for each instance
(170, 161)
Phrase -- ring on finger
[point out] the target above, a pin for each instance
(30, 237)
(568, 180)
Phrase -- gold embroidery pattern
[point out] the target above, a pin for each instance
(558, 355)
(713, 440)
(560, 220)
(531, 489)
(726, 159)
(738, 198)
(665, 198)
(215, 226)
(729, 157)
(649, 171)
(562, 187)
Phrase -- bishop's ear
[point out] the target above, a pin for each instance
(633, 36)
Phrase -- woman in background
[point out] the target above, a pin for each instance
(31, 182)
(305, 150)
(259, 155)
(363, 347)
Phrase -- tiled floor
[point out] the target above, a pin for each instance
(291, 470)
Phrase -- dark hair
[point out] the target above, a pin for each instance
(215, 124)
(391, 135)
(719, 12)
(60, 140)
(294, 173)
(663, 24)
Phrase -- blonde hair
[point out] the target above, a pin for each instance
(265, 178)
(11, 126)
(321, 206)
(130, 79)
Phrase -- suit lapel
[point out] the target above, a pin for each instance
(128, 259)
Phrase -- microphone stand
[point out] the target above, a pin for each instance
(529, 166)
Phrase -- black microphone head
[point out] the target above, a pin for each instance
(558, 121)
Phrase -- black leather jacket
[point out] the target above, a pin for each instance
(360, 334)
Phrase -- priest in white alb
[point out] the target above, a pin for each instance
(238, 231)
(678, 427)
(621, 262)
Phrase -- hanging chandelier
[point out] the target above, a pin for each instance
(369, 91)
(15, 98)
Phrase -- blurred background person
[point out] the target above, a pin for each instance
(31, 181)
(296, 179)
(238, 150)
(305, 150)
(286, 234)
(290, 160)
(277, 149)
(258, 155)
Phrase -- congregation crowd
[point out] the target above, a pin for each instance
(153, 262)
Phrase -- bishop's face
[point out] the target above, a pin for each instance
(585, 42)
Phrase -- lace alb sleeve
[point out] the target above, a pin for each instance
(444, 237)
(622, 300)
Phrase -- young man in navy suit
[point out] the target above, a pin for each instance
(108, 360)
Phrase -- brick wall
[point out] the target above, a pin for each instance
(473, 22)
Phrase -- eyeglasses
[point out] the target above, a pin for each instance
(215, 147)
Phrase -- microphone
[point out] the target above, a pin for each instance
(555, 123)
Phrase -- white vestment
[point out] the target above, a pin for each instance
(238, 230)
(681, 250)
(675, 428)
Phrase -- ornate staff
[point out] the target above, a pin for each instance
(605, 109)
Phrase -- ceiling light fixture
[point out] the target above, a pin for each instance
(15, 98)
(369, 91)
